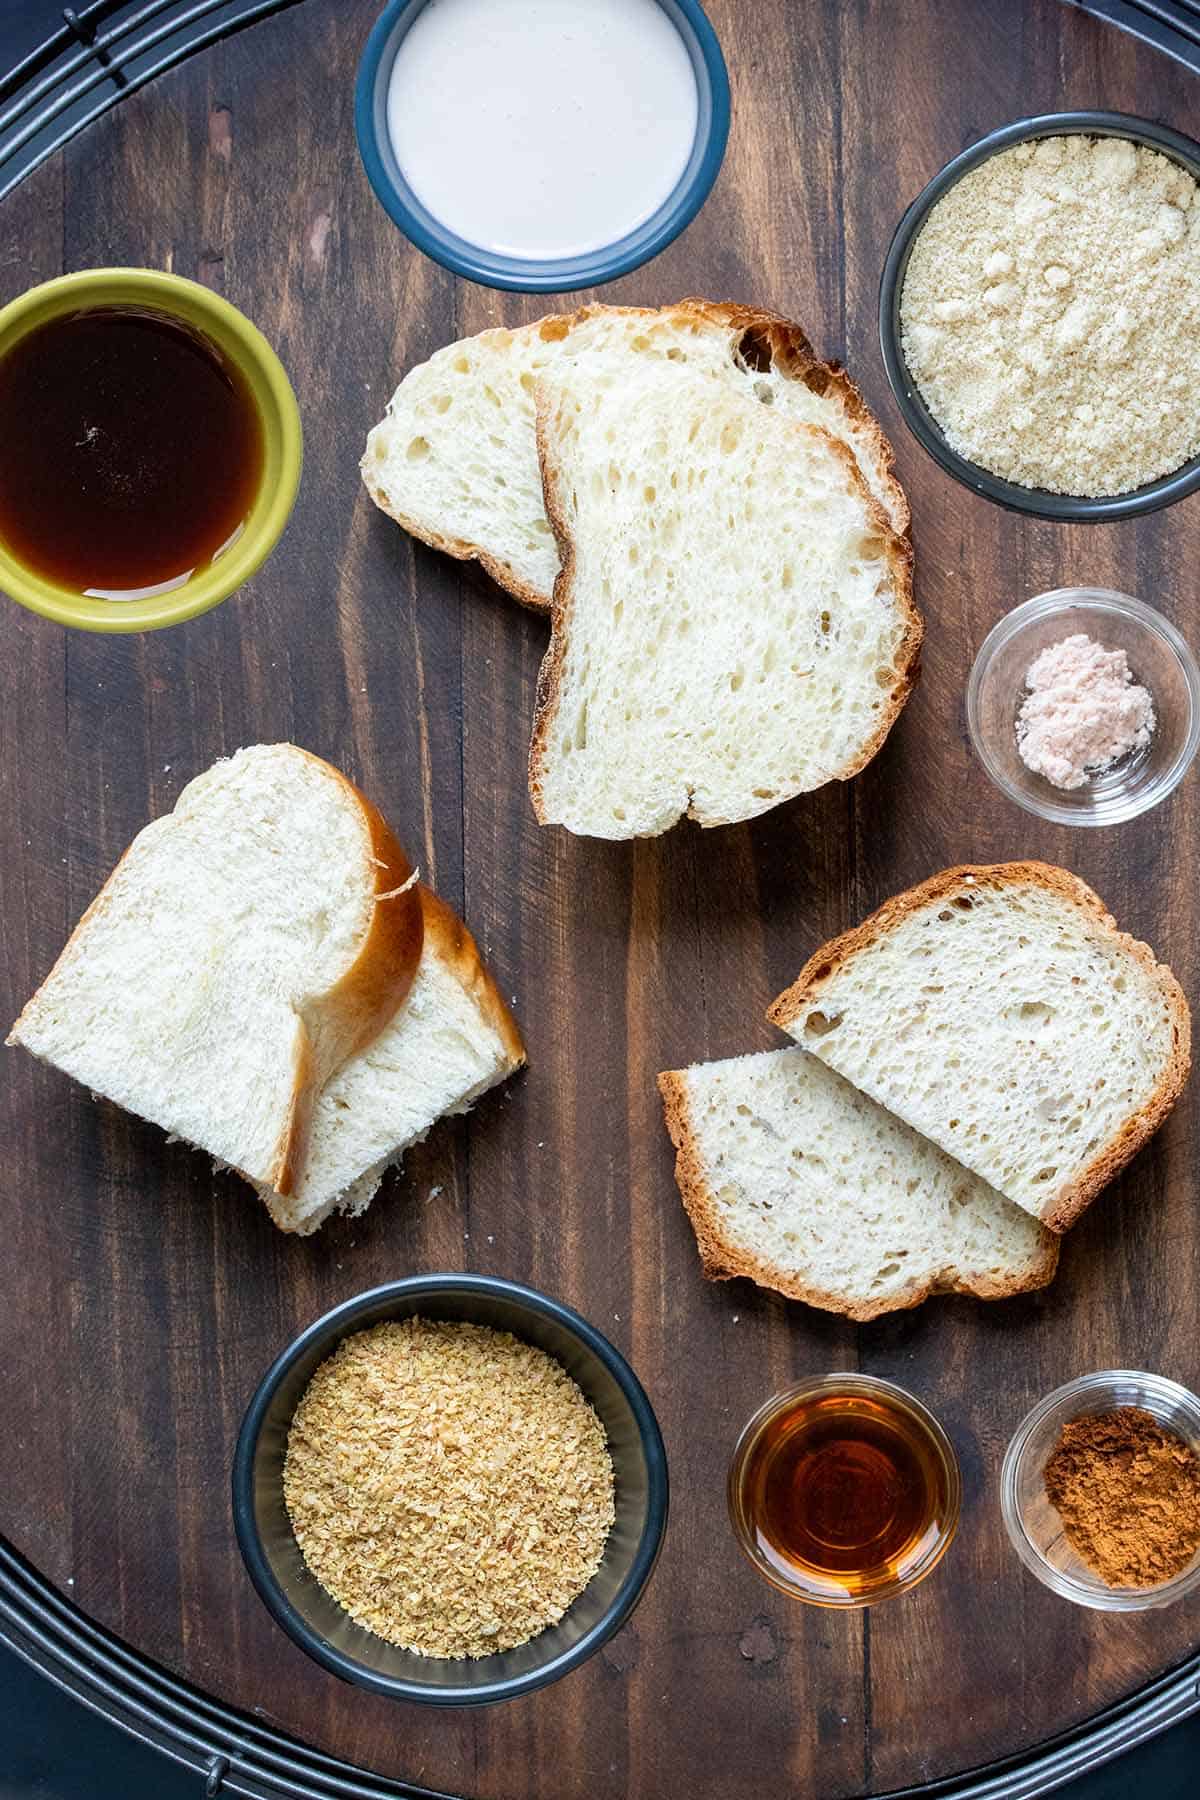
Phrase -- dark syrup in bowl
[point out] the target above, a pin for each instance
(131, 451)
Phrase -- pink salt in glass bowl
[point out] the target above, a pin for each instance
(1159, 660)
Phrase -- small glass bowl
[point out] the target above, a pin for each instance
(1159, 660)
(851, 1393)
(1033, 1523)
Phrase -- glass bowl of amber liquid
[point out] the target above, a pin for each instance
(844, 1490)
(1033, 1522)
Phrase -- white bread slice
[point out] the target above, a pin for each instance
(245, 945)
(455, 460)
(733, 622)
(793, 1178)
(999, 1011)
(451, 1040)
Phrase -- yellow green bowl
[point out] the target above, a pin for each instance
(248, 349)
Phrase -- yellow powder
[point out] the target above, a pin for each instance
(1050, 315)
(449, 1485)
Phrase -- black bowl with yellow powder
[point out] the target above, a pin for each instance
(405, 1427)
(1096, 505)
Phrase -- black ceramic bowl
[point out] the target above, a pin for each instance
(920, 421)
(320, 1626)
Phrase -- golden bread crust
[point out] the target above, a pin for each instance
(722, 1260)
(1066, 1204)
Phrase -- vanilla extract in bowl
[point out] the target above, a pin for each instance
(844, 1490)
(131, 451)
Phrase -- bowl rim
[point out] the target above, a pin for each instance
(1099, 1598)
(279, 413)
(849, 1382)
(1101, 601)
(328, 1330)
(1041, 503)
(543, 275)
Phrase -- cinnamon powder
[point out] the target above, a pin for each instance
(1128, 1493)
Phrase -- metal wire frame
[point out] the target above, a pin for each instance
(100, 52)
(1172, 26)
(115, 47)
(234, 1754)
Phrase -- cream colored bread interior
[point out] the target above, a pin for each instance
(795, 1178)
(733, 626)
(1009, 1023)
(439, 1054)
(180, 994)
(455, 460)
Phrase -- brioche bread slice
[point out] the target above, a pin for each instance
(450, 1042)
(733, 622)
(1000, 1012)
(246, 944)
(455, 460)
(794, 1179)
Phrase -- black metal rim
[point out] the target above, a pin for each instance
(239, 1755)
(231, 1751)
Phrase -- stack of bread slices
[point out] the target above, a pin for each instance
(264, 976)
(973, 1064)
(711, 518)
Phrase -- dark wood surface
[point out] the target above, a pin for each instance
(143, 1295)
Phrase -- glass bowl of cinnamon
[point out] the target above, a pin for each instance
(1100, 1491)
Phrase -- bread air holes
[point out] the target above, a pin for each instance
(1035, 1013)
(752, 351)
(418, 449)
(819, 1024)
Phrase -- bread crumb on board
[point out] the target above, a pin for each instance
(1050, 315)
(449, 1485)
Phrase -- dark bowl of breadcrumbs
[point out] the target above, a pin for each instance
(450, 1489)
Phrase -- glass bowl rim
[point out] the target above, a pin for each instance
(1102, 601)
(847, 1382)
(1099, 1598)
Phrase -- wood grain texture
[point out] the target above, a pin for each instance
(143, 1295)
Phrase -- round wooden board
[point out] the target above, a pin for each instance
(143, 1295)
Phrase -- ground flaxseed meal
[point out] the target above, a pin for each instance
(1128, 1493)
(449, 1485)
(1050, 315)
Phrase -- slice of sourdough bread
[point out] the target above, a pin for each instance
(793, 1178)
(733, 623)
(450, 1042)
(1001, 1013)
(245, 945)
(455, 460)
